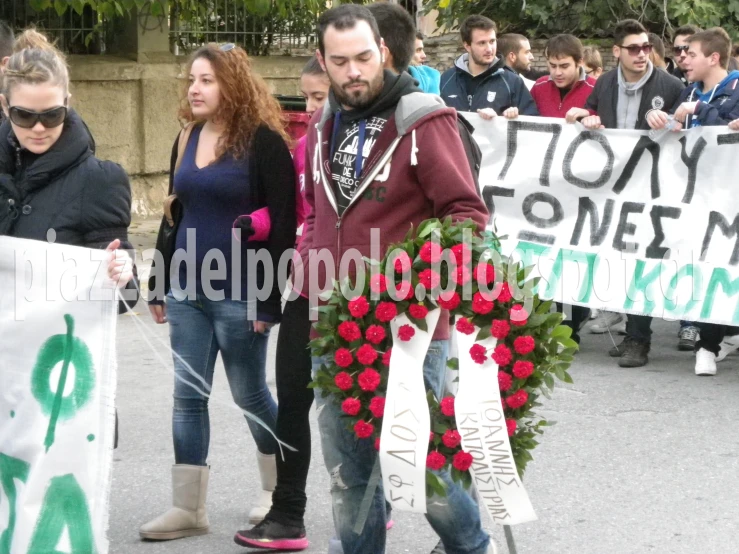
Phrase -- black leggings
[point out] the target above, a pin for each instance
(712, 334)
(294, 399)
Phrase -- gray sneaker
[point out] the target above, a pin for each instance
(688, 336)
(605, 321)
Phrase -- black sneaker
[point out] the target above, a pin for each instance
(687, 336)
(271, 535)
(635, 354)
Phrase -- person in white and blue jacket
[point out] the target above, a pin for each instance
(711, 99)
(479, 78)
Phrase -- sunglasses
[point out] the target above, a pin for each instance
(636, 49)
(27, 119)
(227, 47)
(678, 50)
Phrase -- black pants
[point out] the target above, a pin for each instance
(712, 335)
(294, 398)
(580, 316)
(639, 328)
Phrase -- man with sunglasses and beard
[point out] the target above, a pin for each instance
(622, 99)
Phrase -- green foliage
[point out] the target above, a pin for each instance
(590, 18)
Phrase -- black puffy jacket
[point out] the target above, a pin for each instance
(86, 201)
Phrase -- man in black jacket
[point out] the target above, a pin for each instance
(479, 78)
(622, 98)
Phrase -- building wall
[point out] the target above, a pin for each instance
(131, 110)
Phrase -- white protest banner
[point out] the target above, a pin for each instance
(482, 426)
(406, 424)
(57, 375)
(616, 219)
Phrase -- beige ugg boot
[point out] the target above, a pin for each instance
(187, 517)
(268, 472)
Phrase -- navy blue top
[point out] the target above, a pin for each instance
(212, 198)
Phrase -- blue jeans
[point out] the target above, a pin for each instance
(198, 330)
(455, 518)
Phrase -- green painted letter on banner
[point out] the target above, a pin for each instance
(10, 470)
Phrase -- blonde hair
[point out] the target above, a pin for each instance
(34, 61)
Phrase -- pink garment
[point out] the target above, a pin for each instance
(301, 206)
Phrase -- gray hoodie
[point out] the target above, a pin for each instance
(629, 98)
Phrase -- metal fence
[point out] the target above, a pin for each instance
(230, 21)
(72, 33)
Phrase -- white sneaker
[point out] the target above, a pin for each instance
(728, 345)
(594, 313)
(705, 362)
(605, 321)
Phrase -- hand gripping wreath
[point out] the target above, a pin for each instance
(510, 349)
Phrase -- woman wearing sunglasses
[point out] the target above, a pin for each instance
(52, 187)
(231, 159)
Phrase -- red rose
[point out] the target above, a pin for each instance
(517, 399)
(462, 254)
(461, 276)
(366, 355)
(351, 406)
(481, 303)
(447, 406)
(358, 307)
(451, 438)
(344, 381)
(430, 252)
(343, 357)
(377, 406)
(505, 381)
(349, 331)
(378, 283)
(406, 332)
(418, 311)
(500, 328)
(402, 263)
(511, 425)
(429, 279)
(386, 311)
(408, 295)
(375, 334)
(479, 353)
(502, 355)
(464, 326)
(386, 357)
(523, 345)
(435, 460)
(523, 369)
(485, 273)
(363, 430)
(449, 300)
(368, 380)
(519, 316)
(377, 444)
(431, 436)
(505, 294)
(462, 460)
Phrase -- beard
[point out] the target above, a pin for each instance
(481, 61)
(358, 99)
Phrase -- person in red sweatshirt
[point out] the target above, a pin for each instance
(567, 85)
(380, 156)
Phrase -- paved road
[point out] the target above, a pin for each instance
(640, 461)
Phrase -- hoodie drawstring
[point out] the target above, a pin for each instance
(414, 148)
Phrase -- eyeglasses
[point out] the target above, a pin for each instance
(678, 50)
(27, 119)
(227, 47)
(636, 49)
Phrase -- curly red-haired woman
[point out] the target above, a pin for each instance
(234, 161)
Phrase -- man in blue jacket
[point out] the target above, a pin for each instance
(479, 79)
(711, 99)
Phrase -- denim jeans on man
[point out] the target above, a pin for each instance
(199, 330)
(349, 461)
